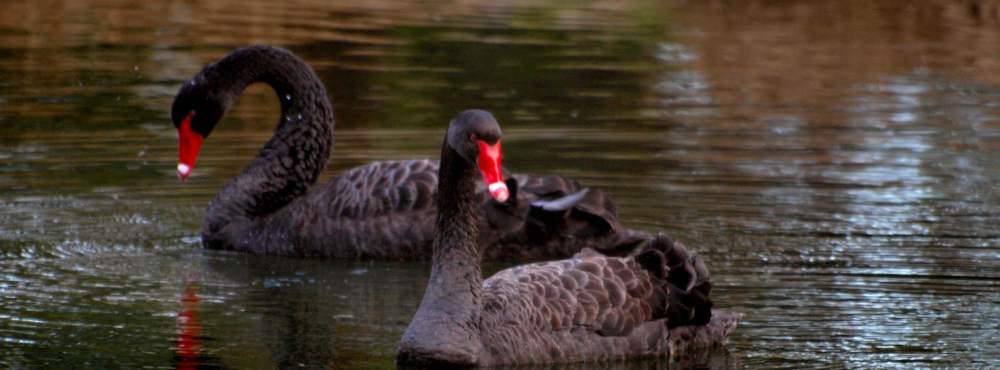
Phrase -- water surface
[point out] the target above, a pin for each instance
(837, 164)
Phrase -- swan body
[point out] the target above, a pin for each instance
(653, 301)
(384, 210)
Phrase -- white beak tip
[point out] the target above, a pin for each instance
(498, 190)
(183, 171)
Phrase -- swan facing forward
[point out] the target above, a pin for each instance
(384, 210)
(590, 307)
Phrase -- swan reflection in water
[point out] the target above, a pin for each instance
(325, 314)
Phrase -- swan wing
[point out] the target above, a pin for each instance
(591, 292)
(383, 187)
(608, 296)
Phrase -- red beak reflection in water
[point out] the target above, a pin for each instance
(187, 355)
(188, 145)
(489, 160)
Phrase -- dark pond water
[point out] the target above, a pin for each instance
(837, 163)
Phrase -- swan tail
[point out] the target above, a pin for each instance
(553, 211)
(562, 208)
(683, 281)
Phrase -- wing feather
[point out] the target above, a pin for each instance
(381, 188)
(590, 291)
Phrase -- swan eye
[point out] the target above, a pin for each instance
(472, 137)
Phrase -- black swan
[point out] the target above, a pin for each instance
(590, 307)
(384, 210)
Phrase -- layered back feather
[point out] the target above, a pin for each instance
(594, 307)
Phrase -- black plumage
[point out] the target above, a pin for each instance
(384, 210)
(652, 300)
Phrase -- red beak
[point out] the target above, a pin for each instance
(188, 146)
(489, 164)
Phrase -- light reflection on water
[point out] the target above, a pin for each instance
(836, 163)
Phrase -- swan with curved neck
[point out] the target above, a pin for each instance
(384, 210)
(591, 307)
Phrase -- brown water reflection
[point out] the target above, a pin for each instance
(836, 162)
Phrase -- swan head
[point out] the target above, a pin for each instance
(195, 112)
(475, 135)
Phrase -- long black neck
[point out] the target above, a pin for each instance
(456, 256)
(446, 326)
(290, 162)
